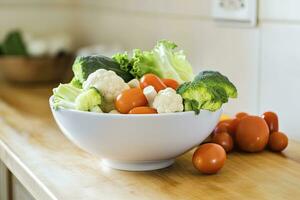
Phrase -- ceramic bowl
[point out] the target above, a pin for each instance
(136, 142)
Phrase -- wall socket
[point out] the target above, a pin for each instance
(235, 12)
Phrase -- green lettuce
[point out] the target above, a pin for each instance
(163, 60)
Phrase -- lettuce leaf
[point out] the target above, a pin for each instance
(162, 61)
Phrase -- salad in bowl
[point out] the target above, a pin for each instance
(139, 112)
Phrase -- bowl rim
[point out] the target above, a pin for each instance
(126, 115)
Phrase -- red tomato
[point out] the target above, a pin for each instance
(171, 83)
(252, 134)
(230, 124)
(209, 158)
(241, 115)
(129, 99)
(233, 126)
(224, 139)
(142, 110)
(151, 79)
(278, 141)
(272, 121)
(222, 127)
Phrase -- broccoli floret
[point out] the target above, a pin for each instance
(76, 83)
(88, 100)
(70, 97)
(209, 90)
(85, 65)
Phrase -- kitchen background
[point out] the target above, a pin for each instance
(263, 61)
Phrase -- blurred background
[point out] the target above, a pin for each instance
(255, 43)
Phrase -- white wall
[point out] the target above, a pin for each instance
(263, 61)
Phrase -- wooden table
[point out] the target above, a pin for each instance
(51, 167)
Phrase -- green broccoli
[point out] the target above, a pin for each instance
(209, 91)
(85, 65)
(70, 97)
(76, 83)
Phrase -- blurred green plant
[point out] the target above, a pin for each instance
(13, 44)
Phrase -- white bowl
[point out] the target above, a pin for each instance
(136, 142)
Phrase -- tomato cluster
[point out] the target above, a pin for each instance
(244, 132)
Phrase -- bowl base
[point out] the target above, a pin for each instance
(138, 166)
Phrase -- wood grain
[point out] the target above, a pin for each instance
(4, 182)
(51, 167)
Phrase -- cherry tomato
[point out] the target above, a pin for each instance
(272, 121)
(233, 126)
(241, 115)
(170, 83)
(252, 134)
(224, 139)
(155, 81)
(209, 158)
(278, 141)
(229, 125)
(129, 99)
(222, 127)
(142, 110)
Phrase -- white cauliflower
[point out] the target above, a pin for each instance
(108, 83)
(114, 112)
(150, 94)
(168, 101)
(134, 83)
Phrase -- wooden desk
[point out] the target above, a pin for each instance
(50, 167)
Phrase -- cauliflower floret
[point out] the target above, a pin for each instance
(168, 101)
(134, 83)
(108, 83)
(150, 94)
(114, 112)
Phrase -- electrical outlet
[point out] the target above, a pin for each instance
(242, 12)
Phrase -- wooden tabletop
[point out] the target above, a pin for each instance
(51, 167)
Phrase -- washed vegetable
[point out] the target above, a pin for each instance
(107, 82)
(134, 83)
(167, 101)
(162, 61)
(96, 109)
(170, 83)
(114, 112)
(222, 127)
(278, 141)
(129, 99)
(70, 97)
(142, 110)
(241, 115)
(209, 90)
(152, 80)
(150, 94)
(85, 65)
(272, 120)
(76, 83)
(209, 158)
(14, 45)
(224, 139)
(88, 100)
(252, 134)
